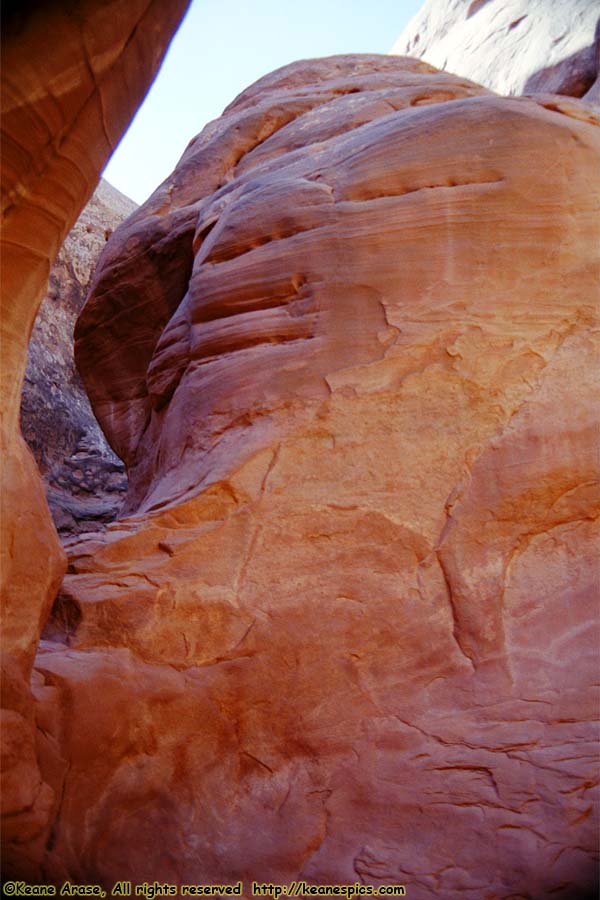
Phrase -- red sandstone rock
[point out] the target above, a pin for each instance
(73, 74)
(511, 46)
(348, 630)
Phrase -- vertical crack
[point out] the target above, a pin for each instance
(455, 616)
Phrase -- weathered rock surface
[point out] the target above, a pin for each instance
(511, 46)
(347, 631)
(73, 74)
(84, 480)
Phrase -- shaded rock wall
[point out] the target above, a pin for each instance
(72, 76)
(511, 46)
(348, 630)
(84, 480)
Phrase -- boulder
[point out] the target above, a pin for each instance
(346, 631)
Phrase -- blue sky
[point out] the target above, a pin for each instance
(223, 46)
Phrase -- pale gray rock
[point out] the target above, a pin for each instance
(84, 479)
(510, 46)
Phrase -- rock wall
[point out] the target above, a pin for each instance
(511, 46)
(85, 481)
(348, 630)
(73, 75)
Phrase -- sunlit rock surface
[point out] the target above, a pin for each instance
(347, 630)
(511, 46)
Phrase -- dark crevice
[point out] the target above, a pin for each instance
(516, 22)
(475, 6)
(64, 619)
(401, 192)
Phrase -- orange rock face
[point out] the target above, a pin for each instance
(347, 631)
(73, 75)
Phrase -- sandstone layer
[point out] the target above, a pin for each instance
(73, 74)
(348, 629)
(85, 481)
(511, 46)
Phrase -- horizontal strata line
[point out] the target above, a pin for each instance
(227, 257)
(197, 361)
(254, 305)
(425, 187)
(226, 341)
